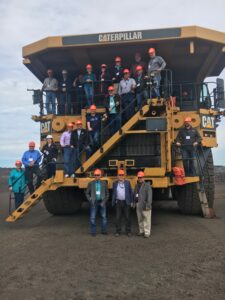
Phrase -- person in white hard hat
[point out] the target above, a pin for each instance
(50, 153)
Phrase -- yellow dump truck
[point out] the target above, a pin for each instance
(146, 141)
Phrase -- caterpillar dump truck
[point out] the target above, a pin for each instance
(146, 141)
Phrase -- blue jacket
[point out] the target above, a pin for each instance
(128, 192)
(20, 184)
(30, 156)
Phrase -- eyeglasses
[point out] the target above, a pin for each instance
(121, 175)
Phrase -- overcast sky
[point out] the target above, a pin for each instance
(23, 22)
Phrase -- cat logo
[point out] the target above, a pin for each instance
(45, 127)
(208, 122)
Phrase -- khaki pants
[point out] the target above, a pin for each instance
(144, 220)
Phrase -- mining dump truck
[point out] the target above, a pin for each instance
(146, 141)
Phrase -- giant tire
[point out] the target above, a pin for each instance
(63, 201)
(187, 195)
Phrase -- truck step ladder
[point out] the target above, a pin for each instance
(203, 200)
(31, 201)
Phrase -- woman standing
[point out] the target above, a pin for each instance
(50, 153)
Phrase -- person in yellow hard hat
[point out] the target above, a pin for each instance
(97, 194)
(188, 138)
(143, 203)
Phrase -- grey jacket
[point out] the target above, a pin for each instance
(144, 195)
(91, 192)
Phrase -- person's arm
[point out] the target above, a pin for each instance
(72, 139)
(89, 125)
(162, 64)
(38, 158)
(55, 152)
(25, 160)
(44, 85)
(55, 86)
(114, 194)
(178, 138)
(62, 142)
(120, 89)
(198, 137)
(10, 181)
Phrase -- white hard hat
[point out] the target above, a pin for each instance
(49, 136)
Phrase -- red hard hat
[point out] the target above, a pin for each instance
(31, 144)
(97, 172)
(188, 119)
(121, 172)
(70, 125)
(126, 71)
(140, 174)
(139, 68)
(118, 58)
(89, 66)
(110, 88)
(78, 122)
(103, 66)
(151, 50)
(93, 107)
(18, 162)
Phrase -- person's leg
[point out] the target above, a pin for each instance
(93, 212)
(53, 97)
(128, 218)
(147, 214)
(139, 100)
(71, 163)
(185, 157)
(66, 158)
(19, 197)
(96, 140)
(37, 172)
(29, 177)
(140, 218)
(157, 80)
(118, 216)
(47, 101)
(103, 219)
(191, 155)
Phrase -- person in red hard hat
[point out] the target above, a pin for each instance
(126, 91)
(94, 128)
(97, 194)
(141, 86)
(138, 62)
(50, 87)
(155, 66)
(89, 80)
(31, 160)
(17, 183)
(188, 138)
(117, 73)
(143, 203)
(122, 198)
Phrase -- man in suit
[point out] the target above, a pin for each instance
(80, 141)
(143, 202)
(97, 194)
(122, 197)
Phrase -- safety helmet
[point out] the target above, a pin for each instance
(110, 88)
(31, 144)
(92, 107)
(103, 66)
(126, 71)
(139, 68)
(70, 125)
(151, 50)
(89, 66)
(117, 59)
(140, 174)
(97, 172)
(121, 172)
(18, 162)
(64, 71)
(78, 122)
(188, 119)
(49, 136)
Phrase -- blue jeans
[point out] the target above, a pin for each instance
(19, 198)
(188, 155)
(157, 79)
(78, 154)
(50, 102)
(89, 92)
(69, 163)
(94, 140)
(93, 212)
(64, 106)
(141, 98)
(114, 123)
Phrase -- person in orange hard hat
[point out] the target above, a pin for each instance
(122, 198)
(89, 80)
(68, 151)
(117, 73)
(143, 203)
(155, 66)
(97, 194)
(31, 160)
(141, 86)
(104, 79)
(138, 62)
(94, 128)
(188, 138)
(17, 183)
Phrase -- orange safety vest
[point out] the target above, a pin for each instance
(179, 175)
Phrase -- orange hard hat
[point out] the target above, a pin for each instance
(31, 144)
(89, 66)
(18, 162)
(140, 174)
(118, 58)
(121, 172)
(103, 66)
(97, 172)
(78, 122)
(125, 71)
(70, 125)
(93, 107)
(139, 68)
(151, 50)
(188, 119)
(110, 88)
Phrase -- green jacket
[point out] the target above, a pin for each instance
(18, 181)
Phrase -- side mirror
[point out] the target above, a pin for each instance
(219, 94)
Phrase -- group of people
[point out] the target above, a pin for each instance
(129, 84)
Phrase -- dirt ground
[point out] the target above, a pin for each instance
(47, 257)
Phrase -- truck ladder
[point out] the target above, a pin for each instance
(203, 199)
(102, 151)
(31, 201)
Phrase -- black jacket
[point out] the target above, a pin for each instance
(103, 84)
(67, 84)
(116, 99)
(49, 152)
(140, 83)
(118, 74)
(83, 138)
(187, 136)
